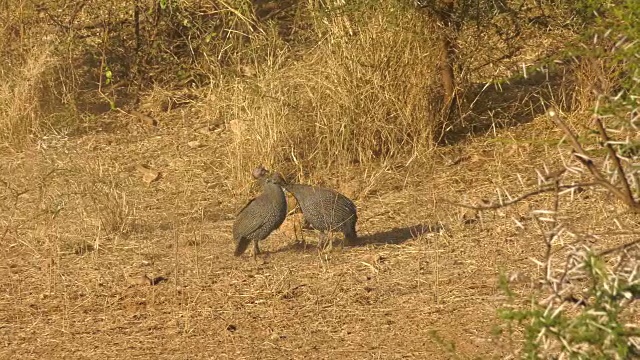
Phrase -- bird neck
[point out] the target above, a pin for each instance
(273, 191)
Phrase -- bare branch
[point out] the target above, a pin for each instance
(616, 159)
(585, 159)
(542, 190)
(619, 248)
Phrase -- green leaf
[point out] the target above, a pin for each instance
(109, 75)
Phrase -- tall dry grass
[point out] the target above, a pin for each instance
(20, 94)
(21, 88)
(28, 60)
(305, 87)
(358, 98)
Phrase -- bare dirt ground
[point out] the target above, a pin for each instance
(97, 263)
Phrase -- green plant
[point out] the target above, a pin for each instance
(584, 307)
(591, 326)
(581, 311)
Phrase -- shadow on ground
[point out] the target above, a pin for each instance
(514, 101)
(397, 235)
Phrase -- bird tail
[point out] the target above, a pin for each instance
(241, 246)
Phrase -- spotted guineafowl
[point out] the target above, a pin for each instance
(324, 209)
(260, 216)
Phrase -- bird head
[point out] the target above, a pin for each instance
(259, 172)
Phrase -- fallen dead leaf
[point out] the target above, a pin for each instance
(148, 175)
(146, 119)
(194, 144)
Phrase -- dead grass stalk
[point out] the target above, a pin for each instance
(20, 92)
(359, 97)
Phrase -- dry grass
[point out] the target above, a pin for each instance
(20, 94)
(72, 288)
(354, 98)
(99, 261)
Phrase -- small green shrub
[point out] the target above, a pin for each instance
(592, 326)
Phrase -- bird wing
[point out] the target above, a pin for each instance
(244, 207)
(250, 224)
(250, 219)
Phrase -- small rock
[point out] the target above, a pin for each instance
(470, 217)
(204, 130)
(275, 336)
(194, 144)
(151, 177)
(142, 280)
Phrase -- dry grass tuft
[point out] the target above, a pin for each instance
(20, 95)
(358, 97)
(116, 242)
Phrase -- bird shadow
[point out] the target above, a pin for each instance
(397, 235)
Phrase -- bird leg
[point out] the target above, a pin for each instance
(256, 249)
(325, 242)
(322, 241)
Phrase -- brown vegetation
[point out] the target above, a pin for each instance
(128, 132)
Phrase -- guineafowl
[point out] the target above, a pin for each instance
(260, 216)
(324, 209)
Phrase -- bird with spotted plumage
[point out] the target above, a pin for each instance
(326, 210)
(260, 216)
